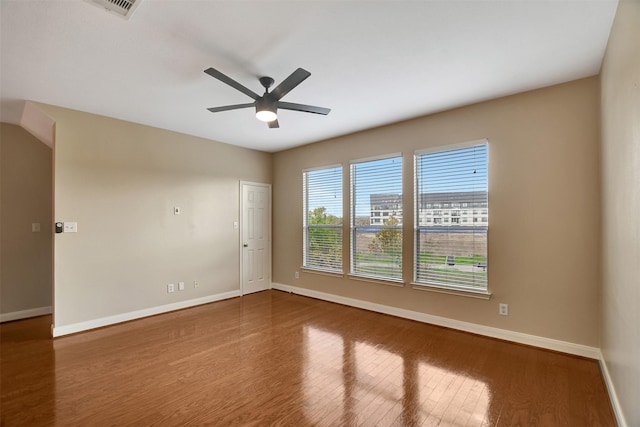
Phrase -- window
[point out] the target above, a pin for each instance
(322, 228)
(376, 251)
(452, 254)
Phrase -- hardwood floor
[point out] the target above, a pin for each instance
(274, 358)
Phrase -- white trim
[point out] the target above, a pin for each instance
(374, 158)
(451, 147)
(613, 396)
(138, 314)
(24, 314)
(317, 168)
(503, 334)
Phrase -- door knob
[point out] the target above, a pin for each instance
(245, 245)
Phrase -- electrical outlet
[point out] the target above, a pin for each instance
(196, 284)
(296, 275)
(170, 288)
(181, 286)
(504, 309)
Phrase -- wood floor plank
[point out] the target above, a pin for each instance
(278, 359)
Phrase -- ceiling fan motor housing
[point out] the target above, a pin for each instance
(266, 82)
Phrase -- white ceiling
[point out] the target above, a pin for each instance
(371, 62)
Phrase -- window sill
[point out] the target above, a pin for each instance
(322, 272)
(451, 291)
(390, 282)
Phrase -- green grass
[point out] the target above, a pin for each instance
(442, 259)
(461, 273)
(388, 259)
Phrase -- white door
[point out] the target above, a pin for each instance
(255, 235)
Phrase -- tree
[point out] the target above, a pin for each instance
(320, 216)
(388, 240)
(324, 243)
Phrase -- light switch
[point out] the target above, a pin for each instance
(235, 225)
(176, 210)
(70, 227)
(35, 227)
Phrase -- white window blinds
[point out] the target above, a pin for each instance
(376, 218)
(452, 217)
(322, 228)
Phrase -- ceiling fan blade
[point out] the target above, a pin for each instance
(228, 80)
(230, 107)
(297, 77)
(303, 108)
(274, 124)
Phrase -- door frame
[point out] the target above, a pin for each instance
(240, 228)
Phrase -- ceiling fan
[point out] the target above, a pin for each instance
(267, 105)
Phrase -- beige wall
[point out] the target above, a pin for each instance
(120, 181)
(544, 250)
(621, 208)
(26, 257)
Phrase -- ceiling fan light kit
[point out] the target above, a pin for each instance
(265, 110)
(267, 105)
(266, 115)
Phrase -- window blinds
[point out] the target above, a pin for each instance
(452, 217)
(376, 218)
(322, 228)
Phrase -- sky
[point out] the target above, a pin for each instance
(461, 169)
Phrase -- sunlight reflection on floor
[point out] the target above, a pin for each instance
(349, 381)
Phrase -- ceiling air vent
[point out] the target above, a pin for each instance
(123, 8)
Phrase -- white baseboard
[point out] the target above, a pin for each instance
(138, 314)
(542, 342)
(518, 337)
(617, 409)
(24, 314)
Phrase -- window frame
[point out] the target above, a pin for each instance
(306, 226)
(483, 293)
(395, 281)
